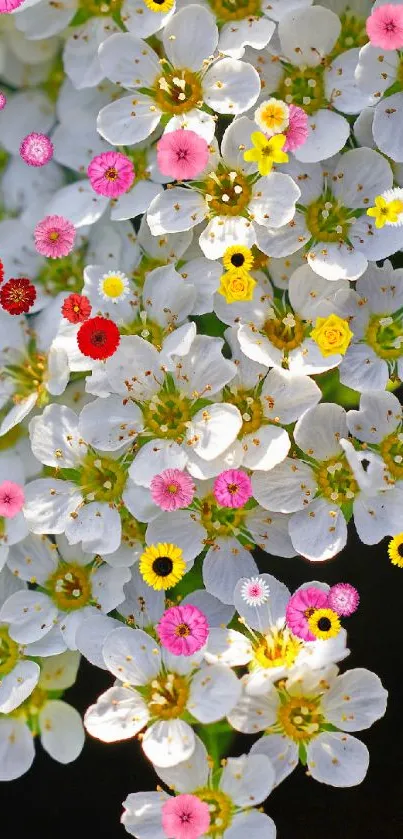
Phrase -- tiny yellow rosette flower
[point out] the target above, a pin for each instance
(236, 286)
(332, 335)
(266, 151)
(386, 212)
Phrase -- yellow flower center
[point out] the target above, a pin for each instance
(303, 87)
(279, 648)
(392, 452)
(28, 711)
(228, 192)
(166, 415)
(65, 274)
(132, 530)
(29, 377)
(167, 696)
(220, 521)
(227, 10)
(147, 329)
(300, 718)
(9, 652)
(272, 116)
(285, 333)
(353, 33)
(385, 335)
(102, 479)
(177, 91)
(113, 286)
(327, 220)
(221, 810)
(54, 235)
(249, 407)
(336, 480)
(101, 7)
(70, 586)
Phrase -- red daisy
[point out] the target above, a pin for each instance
(76, 308)
(98, 338)
(17, 296)
(1, 271)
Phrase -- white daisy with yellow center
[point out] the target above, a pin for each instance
(114, 286)
(272, 116)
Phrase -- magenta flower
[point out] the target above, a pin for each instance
(7, 6)
(183, 630)
(172, 489)
(54, 236)
(182, 154)
(11, 499)
(232, 488)
(185, 817)
(36, 149)
(301, 606)
(111, 173)
(385, 27)
(3, 101)
(343, 599)
(297, 130)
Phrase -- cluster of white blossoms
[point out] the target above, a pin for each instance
(201, 333)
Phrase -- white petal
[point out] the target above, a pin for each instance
(42, 20)
(168, 298)
(119, 714)
(361, 369)
(49, 503)
(338, 261)
(80, 55)
(79, 203)
(270, 532)
(176, 210)
(319, 431)
(30, 615)
(224, 564)
(223, 232)
(128, 61)
(355, 701)
(196, 120)
(286, 488)
(189, 774)
(286, 397)
(273, 200)
(254, 32)
(308, 35)
(252, 824)
(282, 752)
(180, 529)
(18, 685)
(247, 779)
(107, 586)
(142, 816)
(139, 502)
(254, 713)
(270, 613)
(320, 531)
(97, 526)
(265, 448)
(55, 439)
(341, 86)
(327, 134)
(91, 636)
(217, 613)
(236, 139)
(132, 655)
(142, 21)
(214, 691)
(283, 241)
(387, 126)
(59, 672)
(231, 86)
(153, 458)
(17, 749)
(361, 175)
(136, 201)
(33, 559)
(337, 759)
(213, 429)
(226, 646)
(27, 112)
(169, 742)
(18, 413)
(123, 422)
(379, 415)
(128, 120)
(58, 371)
(62, 733)
(190, 37)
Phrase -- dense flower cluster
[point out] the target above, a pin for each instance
(201, 336)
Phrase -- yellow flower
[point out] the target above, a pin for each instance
(161, 6)
(266, 151)
(395, 550)
(324, 624)
(385, 211)
(162, 566)
(272, 116)
(332, 335)
(237, 285)
(238, 257)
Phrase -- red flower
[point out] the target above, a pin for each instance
(98, 338)
(76, 308)
(17, 296)
(1, 271)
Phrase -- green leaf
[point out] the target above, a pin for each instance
(217, 739)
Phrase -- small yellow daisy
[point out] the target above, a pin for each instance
(395, 550)
(161, 6)
(238, 257)
(324, 624)
(162, 566)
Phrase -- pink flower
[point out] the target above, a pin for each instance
(7, 6)
(185, 817)
(343, 599)
(385, 27)
(11, 499)
(255, 591)
(111, 173)
(54, 236)
(3, 101)
(297, 130)
(183, 629)
(182, 154)
(172, 489)
(300, 607)
(232, 488)
(36, 149)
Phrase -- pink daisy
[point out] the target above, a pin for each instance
(185, 817)
(297, 130)
(300, 607)
(111, 173)
(7, 6)
(385, 27)
(182, 154)
(3, 101)
(255, 591)
(11, 499)
(36, 149)
(183, 629)
(172, 489)
(343, 599)
(54, 236)
(232, 488)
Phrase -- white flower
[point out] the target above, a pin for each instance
(58, 724)
(267, 646)
(305, 71)
(238, 202)
(331, 221)
(309, 718)
(80, 55)
(376, 351)
(156, 690)
(70, 583)
(242, 781)
(179, 86)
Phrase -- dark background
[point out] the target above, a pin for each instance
(84, 799)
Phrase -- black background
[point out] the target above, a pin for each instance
(84, 799)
